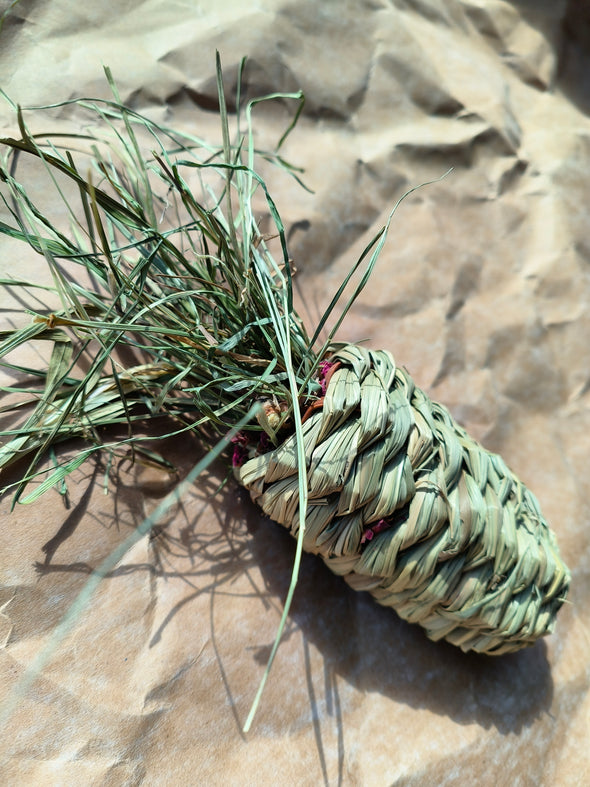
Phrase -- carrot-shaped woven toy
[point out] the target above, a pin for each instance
(405, 504)
(158, 256)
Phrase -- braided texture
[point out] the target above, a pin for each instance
(404, 504)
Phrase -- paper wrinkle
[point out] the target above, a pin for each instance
(482, 291)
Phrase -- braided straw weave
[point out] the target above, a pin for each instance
(404, 504)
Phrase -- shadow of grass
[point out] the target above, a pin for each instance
(360, 642)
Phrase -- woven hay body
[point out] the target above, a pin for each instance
(405, 504)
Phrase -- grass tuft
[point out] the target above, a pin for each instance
(162, 300)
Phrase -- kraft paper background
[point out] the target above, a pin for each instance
(482, 292)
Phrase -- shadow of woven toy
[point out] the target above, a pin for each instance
(375, 651)
(366, 645)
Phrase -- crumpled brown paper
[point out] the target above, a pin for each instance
(482, 291)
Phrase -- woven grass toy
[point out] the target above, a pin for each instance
(405, 504)
(160, 257)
